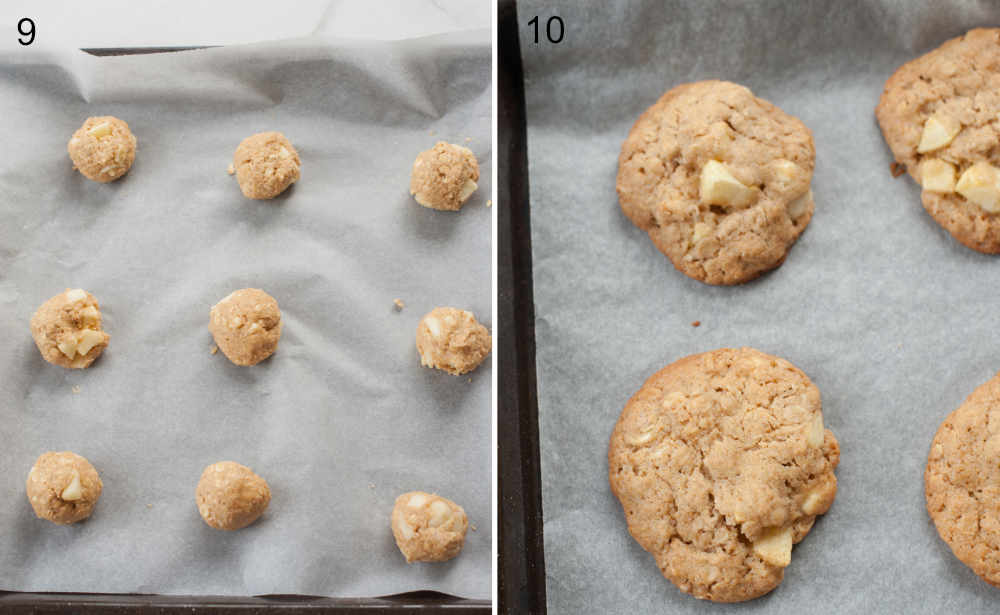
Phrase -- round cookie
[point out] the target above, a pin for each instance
(63, 487)
(962, 481)
(266, 165)
(452, 340)
(939, 116)
(67, 329)
(230, 496)
(103, 149)
(428, 527)
(444, 177)
(719, 179)
(721, 462)
(246, 326)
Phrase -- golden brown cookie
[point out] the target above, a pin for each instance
(719, 179)
(103, 149)
(428, 527)
(246, 325)
(962, 481)
(67, 329)
(939, 116)
(721, 462)
(266, 165)
(63, 487)
(452, 340)
(230, 496)
(444, 177)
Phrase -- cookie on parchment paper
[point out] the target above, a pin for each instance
(962, 481)
(721, 462)
(719, 179)
(939, 116)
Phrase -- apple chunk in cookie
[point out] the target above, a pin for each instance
(67, 329)
(428, 527)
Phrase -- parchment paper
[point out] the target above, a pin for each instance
(342, 418)
(892, 319)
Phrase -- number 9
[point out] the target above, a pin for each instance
(26, 27)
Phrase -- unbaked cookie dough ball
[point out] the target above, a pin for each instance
(63, 487)
(452, 340)
(246, 326)
(444, 177)
(230, 496)
(428, 527)
(67, 329)
(103, 149)
(266, 165)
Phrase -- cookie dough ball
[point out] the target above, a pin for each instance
(246, 326)
(444, 177)
(452, 340)
(719, 179)
(938, 114)
(266, 165)
(230, 496)
(63, 487)
(103, 149)
(67, 329)
(721, 463)
(428, 527)
(962, 481)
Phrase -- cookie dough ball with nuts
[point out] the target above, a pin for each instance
(67, 329)
(427, 527)
(266, 165)
(103, 149)
(452, 340)
(246, 326)
(444, 177)
(230, 496)
(63, 487)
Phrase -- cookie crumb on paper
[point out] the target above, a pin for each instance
(696, 323)
(398, 305)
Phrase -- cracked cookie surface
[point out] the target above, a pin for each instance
(719, 179)
(721, 462)
(962, 481)
(939, 116)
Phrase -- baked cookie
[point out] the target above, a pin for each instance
(428, 527)
(230, 496)
(962, 481)
(266, 165)
(721, 462)
(246, 326)
(444, 177)
(63, 487)
(103, 149)
(67, 329)
(452, 340)
(719, 179)
(939, 116)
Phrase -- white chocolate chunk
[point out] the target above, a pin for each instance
(101, 130)
(799, 206)
(811, 505)
(73, 491)
(406, 530)
(434, 326)
(775, 546)
(786, 170)
(937, 175)
(701, 230)
(90, 315)
(67, 347)
(644, 435)
(284, 153)
(88, 339)
(816, 432)
(939, 130)
(440, 513)
(76, 294)
(467, 189)
(719, 187)
(417, 500)
(980, 183)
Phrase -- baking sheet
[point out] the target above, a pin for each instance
(342, 418)
(891, 318)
